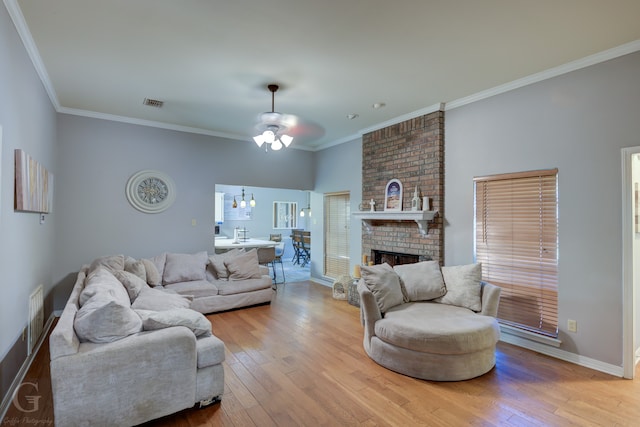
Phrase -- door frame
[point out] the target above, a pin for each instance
(628, 292)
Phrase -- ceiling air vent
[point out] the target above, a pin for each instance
(153, 103)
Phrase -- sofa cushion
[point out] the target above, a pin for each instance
(152, 275)
(196, 288)
(131, 282)
(110, 262)
(422, 280)
(196, 322)
(158, 261)
(243, 266)
(136, 267)
(210, 350)
(157, 300)
(216, 267)
(384, 284)
(431, 327)
(185, 267)
(463, 286)
(232, 287)
(103, 280)
(103, 319)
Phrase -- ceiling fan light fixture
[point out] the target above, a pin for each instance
(259, 140)
(286, 140)
(271, 135)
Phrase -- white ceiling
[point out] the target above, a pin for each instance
(210, 60)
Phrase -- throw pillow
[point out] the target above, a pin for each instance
(102, 319)
(153, 276)
(132, 283)
(103, 280)
(244, 266)
(157, 300)
(110, 262)
(185, 267)
(197, 322)
(384, 284)
(159, 261)
(463, 286)
(422, 281)
(216, 262)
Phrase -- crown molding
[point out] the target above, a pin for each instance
(403, 118)
(25, 35)
(587, 61)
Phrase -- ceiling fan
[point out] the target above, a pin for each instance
(274, 127)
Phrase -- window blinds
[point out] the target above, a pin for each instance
(337, 214)
(516, 240)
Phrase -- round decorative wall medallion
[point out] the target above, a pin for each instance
(150, 191)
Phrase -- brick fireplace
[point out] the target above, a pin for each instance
(413, 152)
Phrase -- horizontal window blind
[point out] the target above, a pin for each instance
(337, 214)
(516, 240)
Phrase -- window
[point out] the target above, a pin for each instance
(285, 214)
(516, 240)
(337, 213)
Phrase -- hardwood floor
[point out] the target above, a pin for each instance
(300, 362)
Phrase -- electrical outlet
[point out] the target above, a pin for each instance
(572, 325)
(193, 222)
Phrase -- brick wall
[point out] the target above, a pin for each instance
(413, 152)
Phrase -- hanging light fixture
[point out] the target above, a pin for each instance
(252, 202)
(274, 130)
(308, 208)
(243, 204)
(235, 204)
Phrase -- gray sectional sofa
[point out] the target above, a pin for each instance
(132, 343)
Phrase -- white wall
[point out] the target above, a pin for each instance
(96, 158)
(578, 123)
(338, 168)
(27, 119)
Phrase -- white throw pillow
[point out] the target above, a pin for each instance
(132, 283)
(197, 322)
(384, 284)
(102, 319)
(244, 266)
(110, 262)
(216, 263)
(103, 280)
(422, 280)
(157, 300)
(463, 286)
(185, 267)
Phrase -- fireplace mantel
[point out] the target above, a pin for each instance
(420, 217)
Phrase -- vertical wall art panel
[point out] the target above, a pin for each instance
(33, 185)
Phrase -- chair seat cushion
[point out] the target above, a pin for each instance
(431, 327)
(210, 351)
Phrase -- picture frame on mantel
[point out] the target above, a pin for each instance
(393, 196)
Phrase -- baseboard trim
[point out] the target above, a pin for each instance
(4, 406)
(563, 355)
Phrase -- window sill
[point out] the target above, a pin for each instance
(530, 336)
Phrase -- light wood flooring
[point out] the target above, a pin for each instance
(300, 362)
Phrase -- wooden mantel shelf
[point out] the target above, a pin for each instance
(420, 217)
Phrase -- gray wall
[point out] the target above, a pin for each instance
(578, 123)
(27, 119)
(338, 169)
(96, 158)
